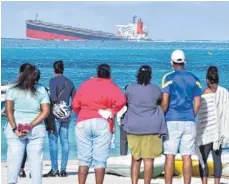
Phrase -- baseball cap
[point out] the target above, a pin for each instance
(178, 57)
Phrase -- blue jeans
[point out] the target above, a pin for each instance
(33, 143)
(61, 131)
(93, 139)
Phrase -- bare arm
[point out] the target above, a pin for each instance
(10, 113)
(165, 101)
(119, 101)
(76, 103)
(10, 116)
(197, 101)
(45, 107)
(197, 96)
(73, 92)
(207, 91)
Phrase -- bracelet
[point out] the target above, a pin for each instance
(14, 129)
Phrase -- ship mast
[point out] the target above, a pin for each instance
(134, 17)
(36, 17)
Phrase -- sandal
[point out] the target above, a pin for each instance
(22, 174)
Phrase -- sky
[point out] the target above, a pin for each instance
(164, 20)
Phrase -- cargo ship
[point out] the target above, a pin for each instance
(37, 29)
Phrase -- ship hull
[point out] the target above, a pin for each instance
(47, 33)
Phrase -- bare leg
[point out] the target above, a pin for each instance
(204, 180)
(99, 175)
(82, 175)
(217, 181)
(187, 168)
(135, 169)
(169, 169)
(148, 170)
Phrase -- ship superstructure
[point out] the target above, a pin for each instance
(133, 31)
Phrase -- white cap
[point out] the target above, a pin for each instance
(178, 57)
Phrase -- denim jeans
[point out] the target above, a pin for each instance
(62, 131)
(33, 143)
(93, 139)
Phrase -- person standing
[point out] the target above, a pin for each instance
(27, 105)
(180, 89)
(123, 138)
(61, 90)
(22, 171)
(213, 125)
(96, 102)
(144, 123)
(123, 135)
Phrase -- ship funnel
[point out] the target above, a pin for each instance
(140, 27)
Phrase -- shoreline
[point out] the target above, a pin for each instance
(72, 170)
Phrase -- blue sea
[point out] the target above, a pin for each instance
(82, 58)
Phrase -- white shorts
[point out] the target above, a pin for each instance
(181, 137)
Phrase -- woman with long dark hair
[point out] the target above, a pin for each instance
(144, 123)
(27, 105)
(22, 171)
(213, 125)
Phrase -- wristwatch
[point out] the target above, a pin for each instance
(14, 129)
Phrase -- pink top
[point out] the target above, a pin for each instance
(95, 94)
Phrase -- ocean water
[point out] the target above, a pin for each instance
(82, 58)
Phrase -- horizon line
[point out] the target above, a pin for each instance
(119, 40)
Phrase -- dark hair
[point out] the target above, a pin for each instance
(23, 67)
(58, 67)
(38, 75)
(28, 78)
(104, 71)
(178, 64)
(144, 75)
(212, 75)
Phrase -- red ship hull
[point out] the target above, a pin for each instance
(49, 31)
(41, 35)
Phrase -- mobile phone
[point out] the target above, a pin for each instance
(27, 127)
(20, 127)
(24, 128)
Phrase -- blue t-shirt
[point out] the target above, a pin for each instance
(27, 106)
(182, 86)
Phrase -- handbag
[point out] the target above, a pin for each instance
(60, 108)
(50, 122)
